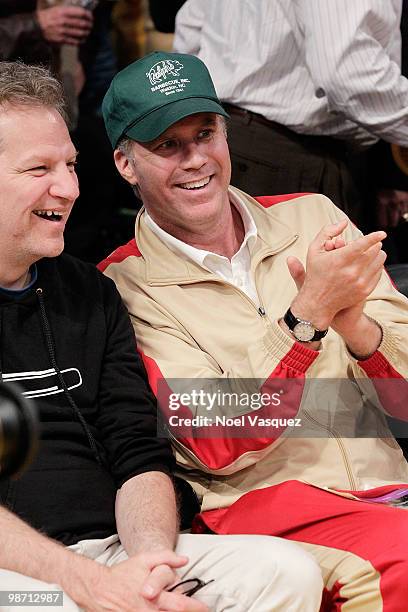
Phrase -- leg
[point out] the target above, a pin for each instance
(250, 573)
(361, 547)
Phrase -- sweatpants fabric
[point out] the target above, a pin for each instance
(250, 573)
(362, 547)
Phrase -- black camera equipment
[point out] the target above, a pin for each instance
(18, 431)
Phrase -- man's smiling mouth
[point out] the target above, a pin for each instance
(49, 215)
(195, 184)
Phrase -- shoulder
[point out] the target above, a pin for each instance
(307, 209)
(74, 277)
(119, 255)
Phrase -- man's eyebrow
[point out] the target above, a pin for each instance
(209, 121)
(36, 159)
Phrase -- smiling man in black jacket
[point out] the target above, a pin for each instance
(100, 482)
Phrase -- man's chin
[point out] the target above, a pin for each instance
(52, 249)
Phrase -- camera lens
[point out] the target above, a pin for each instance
(18, 431)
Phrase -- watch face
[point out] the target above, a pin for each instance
(303, 332)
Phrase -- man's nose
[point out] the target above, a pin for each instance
(64, 184)
(194, 155)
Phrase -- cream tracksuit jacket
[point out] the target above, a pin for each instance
(192, 325)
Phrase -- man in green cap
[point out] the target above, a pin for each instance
(245, 309)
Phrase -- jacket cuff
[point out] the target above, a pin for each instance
(288, 352)
(380, 361)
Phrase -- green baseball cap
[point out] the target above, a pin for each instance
(148, 96)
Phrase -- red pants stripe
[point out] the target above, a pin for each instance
(303, 513)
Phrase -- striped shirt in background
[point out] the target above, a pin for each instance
(321, 67)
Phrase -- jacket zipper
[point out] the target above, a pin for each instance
(259, 308)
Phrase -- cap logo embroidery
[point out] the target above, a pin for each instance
(162, 69)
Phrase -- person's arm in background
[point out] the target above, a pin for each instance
(64, 25)
(345, 52)
(189, 22)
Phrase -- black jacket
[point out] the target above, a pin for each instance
(73, 321)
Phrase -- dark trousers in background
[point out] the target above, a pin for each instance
(269, 159)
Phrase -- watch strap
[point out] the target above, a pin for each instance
(291, 321)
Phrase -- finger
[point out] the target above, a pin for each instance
(373, 282)
(296, 270)
(334, 243)
(181, 603)
(164, 557)
(371, 253)
(373, 272)
(339, 242)
(160, 578)
(77, 25)
(329, 245)
(330, 231)
(77, 12)
(361, 245)
(377, 263)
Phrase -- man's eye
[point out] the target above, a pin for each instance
(71, 165)
(38, 169)
(167, 145)
(205, 134)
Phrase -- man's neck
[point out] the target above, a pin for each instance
(14, 279)
(223, 235)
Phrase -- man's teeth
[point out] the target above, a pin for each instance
(195, 184)
(48, 214)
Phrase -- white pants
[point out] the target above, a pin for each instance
(250, 573)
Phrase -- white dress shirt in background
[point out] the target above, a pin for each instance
(321, 67)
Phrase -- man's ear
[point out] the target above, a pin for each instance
(125, 167)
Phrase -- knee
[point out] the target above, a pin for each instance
(286, 571)
(296, 568)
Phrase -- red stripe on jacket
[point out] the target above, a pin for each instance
(391, 387)
(219, 445)
(268, 201)
(120, 254)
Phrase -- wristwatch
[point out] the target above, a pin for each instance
(303, 330)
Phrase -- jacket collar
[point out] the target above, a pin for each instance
(163, 267)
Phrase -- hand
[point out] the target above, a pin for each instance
(392, 204)
(65, 25)
(347, 317)
(349, 322)
(338, 276)
(164, 576)
(137, 585)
